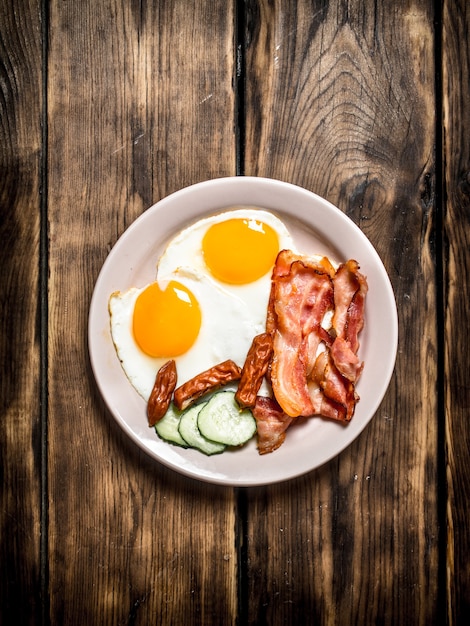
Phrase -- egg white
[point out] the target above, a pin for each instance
(227, 330)
(186, 250)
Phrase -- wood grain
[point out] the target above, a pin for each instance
(139, 105)
(104, 109)
(339, 99)
(20, 419)
(456, 130)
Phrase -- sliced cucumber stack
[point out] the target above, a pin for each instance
(210, 426)
(222, 420)
(190, 432)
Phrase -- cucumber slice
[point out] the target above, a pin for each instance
(222, 421)
(167, 427)
(192, 435)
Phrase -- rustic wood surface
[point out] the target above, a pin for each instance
(22, 333)
(107, 107)
(456, 283)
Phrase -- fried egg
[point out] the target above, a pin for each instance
(221, 329)
(208, 301)
(236, 248)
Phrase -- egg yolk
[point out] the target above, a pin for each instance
(239, 251)
(166, 322)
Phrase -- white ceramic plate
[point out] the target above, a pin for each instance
(318, 227)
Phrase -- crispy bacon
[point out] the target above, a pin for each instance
(271, 422)
(324, 406)
(307, 381)
(347, 362)
(301, 294)
(350, 288)
(337, 390)
(282, 268)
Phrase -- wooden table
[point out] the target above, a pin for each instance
(108, 106)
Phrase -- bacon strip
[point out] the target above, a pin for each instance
(347, 362)
(338, 391)
(350, 288)
(350, 291)
(324, 406)
(271, 422)
(301, 294)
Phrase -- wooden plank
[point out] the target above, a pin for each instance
(139, 106)
(339, 99)
(456, 94)
(20, 420)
